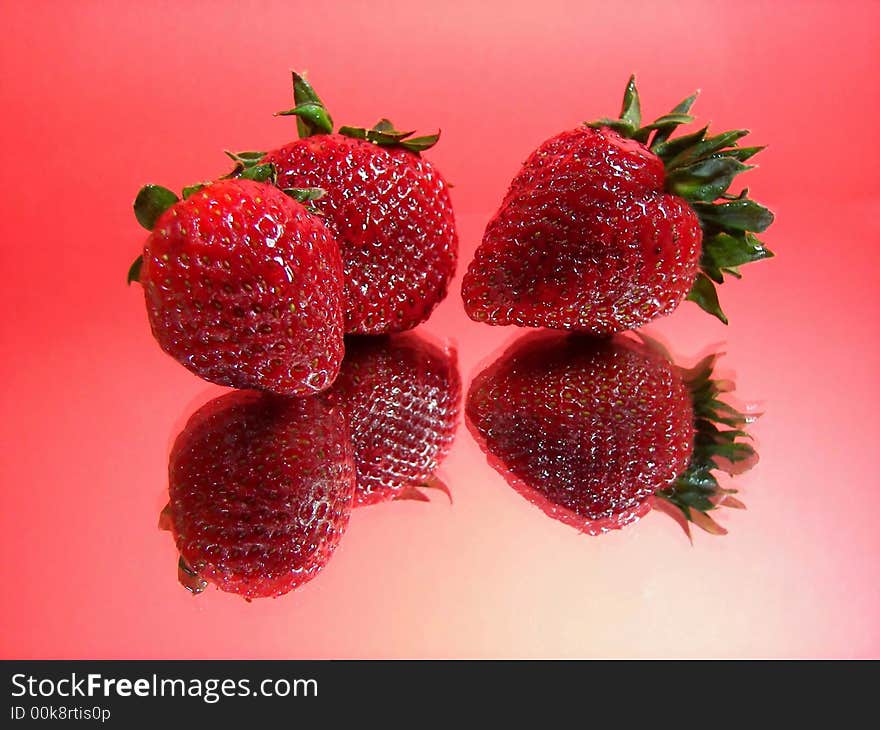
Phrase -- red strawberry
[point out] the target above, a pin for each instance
(260, 492)
(401, 395)
(602, 230)
(243, 286)
(590, 429)
(388, 207)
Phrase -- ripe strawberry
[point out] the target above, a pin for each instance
(602, 230)
(401, 395)
(590, 429)
(260, 491)
(243, 286)
(388, 207)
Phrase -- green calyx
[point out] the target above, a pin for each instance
(701, 169)
(313, 118)
(720, 444)
(311, 115)
(305, 195)
(385, 135)
(153, 200)
(249, 166)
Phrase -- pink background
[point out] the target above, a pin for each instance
(99, 98)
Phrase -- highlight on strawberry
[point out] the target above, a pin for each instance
(243, 282)
(616, 222)
(387, 206)
(401, 395)
(594, 430)
(260, 492)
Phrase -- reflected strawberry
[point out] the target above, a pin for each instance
(260, 492)
(591, 430)
(401, 394)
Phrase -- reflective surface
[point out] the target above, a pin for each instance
(93, 406)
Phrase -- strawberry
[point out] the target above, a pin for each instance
(590, 429)
(243, 285)
(260, 490)
(388, 207)
(401, 395)
(612, 224)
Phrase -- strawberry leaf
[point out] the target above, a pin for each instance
(723, 252)
(249, 166)
(631, 110)
(666, 122)
(705, 148)
(245, 159)
(385, 135)
(134, 271)
(666, 150)
(193, 189)
(664, 131)
(669, 121)
(705, 180)
(738, 215)
(304, 195)
(386, 138)
(258, 173)
(420, 144)
(151, 202)
(741, 153)
(625, 129)
(387, 128)
(703, 293)
(311, 115)
(384, 125)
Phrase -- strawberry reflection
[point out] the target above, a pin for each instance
(261, 486)
(401, 394)
(260, 491)
(592, 431)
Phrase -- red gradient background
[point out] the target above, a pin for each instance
(99, 98)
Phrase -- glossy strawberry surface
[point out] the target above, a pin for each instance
(392, 215)
(401, 395)
(586, 429)
(244, 287)
(586, 239)
(260, 490)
